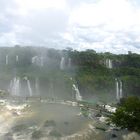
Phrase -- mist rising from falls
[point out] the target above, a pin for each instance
(78, 95)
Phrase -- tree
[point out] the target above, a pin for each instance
(127, 114)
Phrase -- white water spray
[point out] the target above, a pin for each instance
(78, 96)
(15, 86)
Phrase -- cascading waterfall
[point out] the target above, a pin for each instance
(15, 86)
(108, 63)
(29, 88)
(16, 58)
(78, 96)
(119, 93)
(117, 90)
(62, 63)
(38, 60)
(37, 86)
(34, 59)
(69, 63)
(7, 60)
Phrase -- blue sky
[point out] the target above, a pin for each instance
(102, 25)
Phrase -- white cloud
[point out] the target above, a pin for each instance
(116, 14)
(106, 25)
(41, 4)
(103, 25)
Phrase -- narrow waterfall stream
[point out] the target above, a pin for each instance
(62, 63)
(119, 92)
(78, 95)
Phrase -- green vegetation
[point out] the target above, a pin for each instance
(88, 70)
(127, 114)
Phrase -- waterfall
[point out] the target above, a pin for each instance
(38, 61)
(34, 59)
(62, 63)
(119, 93)
(108, 63)
(69, 63)
(15, 86)
(78, 96)
(7, 59)
(41, 61)
(37, 86)
(117, 90)
(16, 58)
(29, 88)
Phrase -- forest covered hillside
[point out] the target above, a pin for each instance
(93, 73)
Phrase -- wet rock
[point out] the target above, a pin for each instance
(115, 129)
(113, 135)
(98, 115)
(101, 128)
